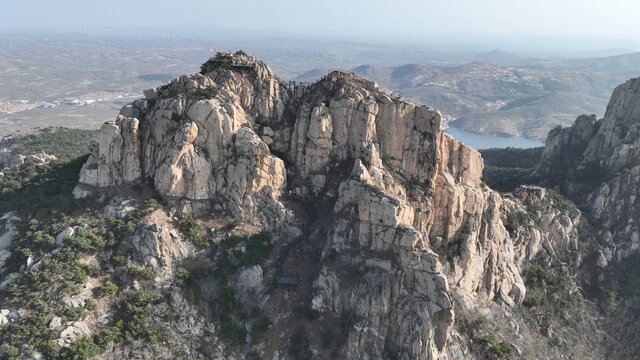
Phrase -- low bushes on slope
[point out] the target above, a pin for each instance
(64, 143)
(41, 189)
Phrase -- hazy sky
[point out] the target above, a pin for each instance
(617, 18)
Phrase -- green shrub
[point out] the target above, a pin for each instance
(331, 257)
(591, 172)
(190, 280)
(515, 219)
(87, 240)
(106, 289)
(233, 224)
(559, 201)
(226, 307)
(119, 259)
(299, 346)
(533, 301)
(136, 272)
(208, 92)
(190, 227)
(257, 250)
(309, 314)
(232, 240)
(506, 179)
(81, 349)
(93, 270)
(260, 326)
(31, 329)
(235, 333)
(77, 313)
(131, 322)
(90, 304)
(626, 274)
(501, 349)
(538, 276)
(480, 322)
(226, 303)
(41, 189)
(153, 204)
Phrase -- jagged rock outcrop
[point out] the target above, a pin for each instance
(401, 286)
(604, 170)
(161, 246)
(564, 147)
(410, 218)
(195, 150)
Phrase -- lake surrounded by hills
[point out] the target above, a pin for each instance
(481, 141)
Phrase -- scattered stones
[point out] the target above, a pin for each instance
(72, 333)
(121, 208)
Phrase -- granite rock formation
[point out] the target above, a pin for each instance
(407, 211)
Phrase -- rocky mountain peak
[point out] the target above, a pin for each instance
(596, 162)
(388, 196)
(620, 124)
(237, 61)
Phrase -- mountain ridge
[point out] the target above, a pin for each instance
(339, 213)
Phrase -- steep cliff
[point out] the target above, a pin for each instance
(601, 173)
(599, 163)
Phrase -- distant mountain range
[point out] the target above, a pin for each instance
(477, 88)
(526, 100)
(625, 64)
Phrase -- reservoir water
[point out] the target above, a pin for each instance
(481, 141)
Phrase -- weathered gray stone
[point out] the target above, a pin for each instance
(68, 231)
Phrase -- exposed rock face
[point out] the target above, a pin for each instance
(250, 280)
(8, 232)
(402, 287)
(604, 167)
(161, 246)
(565, 146)
(410, 217)
(72, 333)
(618, 135)
(194, 151)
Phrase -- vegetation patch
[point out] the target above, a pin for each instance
(140, 273)
(131, 320)
(483, 341)
(559, 201)
(191, 229)
(41, 190)
(52, 275)
(512, 157)
(64, 143)
(551, 298)
(500, 349)
(621, 282)
(506, 179)
(507, 168)
(516, 219)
